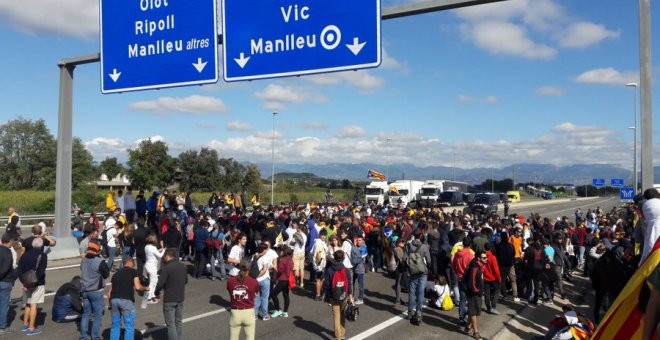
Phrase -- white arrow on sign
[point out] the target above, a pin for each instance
(242, 60)
(356, 47)
(114, 75)
(200, 65)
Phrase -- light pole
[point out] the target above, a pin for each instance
(272, 176)
(387, 161)
(634, 128)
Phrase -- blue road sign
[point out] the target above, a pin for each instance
(616, 182)
(627, 194)
(147, 44)
(277, 38)
(599, 182)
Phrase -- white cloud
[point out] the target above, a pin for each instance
(504, 38)
(564, 144)
(528, 28)
(607, 76)
(351, 132)
(278, 93)
(192, 105)
(550, 91)
(362, 80)
(465, 99)
(585, 34)
(238, 126)
(205, 126)
(76, 18)
(314, 126)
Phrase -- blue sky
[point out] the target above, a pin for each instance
(538, 81)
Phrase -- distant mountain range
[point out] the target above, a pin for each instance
(545, 173)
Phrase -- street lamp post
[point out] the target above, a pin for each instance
(387, 161)
(272, 176)
(634, 128)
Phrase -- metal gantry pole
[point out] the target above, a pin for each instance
(64, 152)
(645, 93)
(272, 176)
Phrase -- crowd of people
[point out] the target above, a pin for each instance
(441, 258)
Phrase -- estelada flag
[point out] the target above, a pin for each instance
(375, 174)
(624, 320)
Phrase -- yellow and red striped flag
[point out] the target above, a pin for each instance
(624, 320)
(376, 175)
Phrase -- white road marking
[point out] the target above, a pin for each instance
(375, 329)
(192, 318)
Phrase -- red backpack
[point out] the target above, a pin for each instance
(339, 286)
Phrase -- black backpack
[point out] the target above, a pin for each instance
(254, 267)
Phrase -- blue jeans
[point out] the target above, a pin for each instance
(92, 303)
(416, 292)
(360, 280)
(125, 253)
(581, 250)
(462, 304)
(5, 292)
(261, 301)
(122, 309)
(112, 251)
(173, 315)
(217, 255)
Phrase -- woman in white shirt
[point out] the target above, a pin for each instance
(236, 254)
(153, 255)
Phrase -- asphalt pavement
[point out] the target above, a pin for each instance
(206, 306)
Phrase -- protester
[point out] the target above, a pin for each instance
(7, 279)
(417, 259)
(93, 272)
(242, 290)
(67, 305)
(338, 292)
(153, 256)
(122, 299)
(284, 271)
(172, 281)
(264, 264)
(33, 259)
(474, 290)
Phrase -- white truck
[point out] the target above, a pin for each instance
(376, 192)
(430, 192)
(408, 191)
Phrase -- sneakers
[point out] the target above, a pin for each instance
(6, 331)
(276, 314)
(494, 311)
(153, 301)
(25, 328)
(35, 331)
(516, 299)
(359, 302)
(265, 318)
(285, 315)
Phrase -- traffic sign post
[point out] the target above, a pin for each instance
(147, 44)
(616, 182)
(275, 38)
(599, 182)
(627, 194)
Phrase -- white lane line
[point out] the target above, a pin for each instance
(373, 330)
(75, 265)
(192, 318)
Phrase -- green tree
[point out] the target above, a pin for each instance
(233, 174)
(149, 165)
(26, 149)
(252, 180)
(346, 184)
(110, 167)
(200, 170)
(82, 164)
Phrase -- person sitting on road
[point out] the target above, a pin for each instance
(67, 306)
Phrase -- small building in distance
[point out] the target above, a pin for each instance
(118, 182)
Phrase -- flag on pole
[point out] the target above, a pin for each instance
(376, 175)
(624, 320)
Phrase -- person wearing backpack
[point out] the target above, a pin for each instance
(217, 243)
(534, 265)
(338, 292)
(418, 257)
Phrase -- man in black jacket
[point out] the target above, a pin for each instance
(172, 280)
(34, 259)
(67, 305)
(7, 278)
